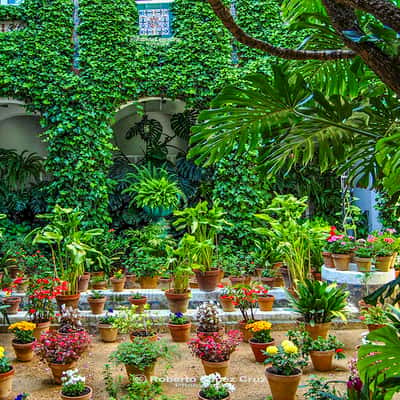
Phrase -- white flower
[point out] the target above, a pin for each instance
(229, 387)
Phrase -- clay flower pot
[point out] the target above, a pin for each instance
(237, 280)
(6, 384)
(148, 282)
(146, 372)
(58, 369)
(341, 261)
(258, 349)
(13, 302)
(374, 327)
(227, 304)
(23, 351)
(180, 333)
(86, 396)
(383, 263)
(363, 263)
(13, 271)
(177, 302)
(70, 300)
(211, 367)
(41, 327)
(265, 303)
(97, 305)
(318, 330)
(139, 303)
(99, 285)
(283, 387)
(208, 280)
(269, 281)
(322, 360)
(247, 334)
(200, 397)
(117, 284)
(83, 282)
(328, 260)
(150, 336)
(108, 334)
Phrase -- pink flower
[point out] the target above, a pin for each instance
(388, 240)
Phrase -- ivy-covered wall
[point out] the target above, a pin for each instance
(115, 66)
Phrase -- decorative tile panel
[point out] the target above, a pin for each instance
(10, 2)
(155, 19)
(10, 26)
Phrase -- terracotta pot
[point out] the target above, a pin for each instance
(278, 282)
(269, 281)
(97, 305)
(165, 283)
(97, 273)
(153, 337)
(117, 284)
(58, 369)
(363, 263)
(394, 257)
(237, 280)
(70, 300)
(200, 397)
(193, 284)
(83, 283)
(328, 260)
(22, 287)
(23, 351)
(6, 384)
(130, 281)
(180, 333)
(13, 271)
(41, 327)
(258, 349)
(148, 282)
(139, 303)
(341, 261)
(374, 327)
(221, 275)
(207, 280)
(277, 265)
(146, 372)
(265, 303)
(316, 275)
(177, 302)
(318, 330)
(211, 367)
(13, 302)
(283, 387)
(247, 334)
(322, 360)
(247, 280)
(86, 396)
(99, 285)
(108, 334)
(383, 263)
(227, 304)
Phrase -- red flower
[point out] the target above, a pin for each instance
(32, 311)
(339, 350)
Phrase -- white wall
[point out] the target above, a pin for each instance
(366, 201)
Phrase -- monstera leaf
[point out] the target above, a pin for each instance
(150, 130)
(182, 123)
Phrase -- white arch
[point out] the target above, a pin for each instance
(10, 108)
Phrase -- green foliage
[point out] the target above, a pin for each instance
(389, 210)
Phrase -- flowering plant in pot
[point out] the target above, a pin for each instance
(98, 282)
(374, 317)
(204, 224)
(214, 351)
(215, 387)
(179, 326)
(24, 339)
(6, 375)
(108, 332)
(61, 350)
(97, 301)
(341, 247)
(227, 298)
(261, 332)
(384, 247)
(328, 247)
(139, 301)
(118, 281)
(141, 355)
(318, 303)
(363, 256)
(208, 319)
(284, 374)
(74, 386)
(264, 299)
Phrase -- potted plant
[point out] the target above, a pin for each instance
(108, 332)
(268, 276)
(226, 298)
(69, 320)
(261, 338)
(141, 355)
(21, 283)
(342, 248)
(179, 326)
(327, 248)
(214, 351)
(70, 246)
(74, 386)
(374, 317)
(318, 303)
(6, 375)
(322, 352)
(215, 387)
(118, 281)
(265, 301)
(24, 339)
(147, 269)
(61, 350)
(11, 301)
(41, 294)
(363, 256)
(83, 282)
(97, 301)
(208, 320)
(165, 280)
(384, 248)
(204, 224)
(139, 301)
(98, 282)
(284, 374)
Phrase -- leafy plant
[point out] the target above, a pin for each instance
(23, 331)
(208, 318)
(5, 364)
(73, 384)
(374, 316)
(215, 387)
(178, 319)
(261, 331)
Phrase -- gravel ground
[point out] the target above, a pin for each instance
(248, 376)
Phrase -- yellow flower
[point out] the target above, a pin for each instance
(259, 326)
(272, 350)
(286, 343)
(22, 326)
(1, 351)
(291, 349)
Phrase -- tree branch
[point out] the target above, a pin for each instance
(227, 19)
(387, 12)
